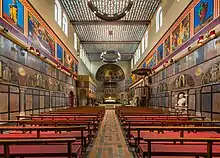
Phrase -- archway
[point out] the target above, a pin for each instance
(82, 98)
(71, 99)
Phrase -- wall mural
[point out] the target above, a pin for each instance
(7, 74)
(181, 33)
(59, 53)
(162, 87)
(144, 65)
(183, 81)
(151, 62)
(167, 49)
(39, 35)
(68, 60)
(37, 80)
(212, 75)
(110, 73)
(160, 53)
(13, 13)
(203, 14)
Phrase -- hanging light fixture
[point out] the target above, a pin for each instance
(110, 10)
(110, 56)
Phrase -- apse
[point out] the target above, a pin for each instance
(110, 73)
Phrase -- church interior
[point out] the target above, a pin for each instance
(109, 78)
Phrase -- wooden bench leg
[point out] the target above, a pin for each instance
(69, 149)
(6, 151)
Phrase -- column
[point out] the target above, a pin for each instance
(67, 100)
(22, 101)
(51, 93)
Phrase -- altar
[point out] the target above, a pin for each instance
(110, 105)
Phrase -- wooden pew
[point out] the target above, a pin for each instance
(209, 149)
(79, 132)
(142, 123)
(90, 126)
(142, 132)
(66, 149)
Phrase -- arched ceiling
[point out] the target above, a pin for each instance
(123, 35)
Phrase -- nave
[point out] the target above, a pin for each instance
(109, 78)
(94, 132)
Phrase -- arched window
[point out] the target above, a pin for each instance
(58, 12)
(159, 19)
(143, 45)
(132, 63)
(75, 41)
(65, 24)
(138, 53)
(146, 39)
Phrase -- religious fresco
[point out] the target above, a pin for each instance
(181, 33)
(8, 74)
(144, 65)
(151, 62)
(134, 78)
(212, 75)
(13, 13)
(160, 53)
(68, 59)
(183, 81)
(59, 53)
(39, 35)
(167, 49)
(162, 87)
(74, 67)
(37, 80)
(203, 13)
(110, 73)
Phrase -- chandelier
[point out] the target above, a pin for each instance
(110, 10)
(110, 56)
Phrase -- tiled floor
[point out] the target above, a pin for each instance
(110, 142)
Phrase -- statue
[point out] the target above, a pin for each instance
(181, 106)
(214, 73)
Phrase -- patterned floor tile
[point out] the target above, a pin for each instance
(110, 142)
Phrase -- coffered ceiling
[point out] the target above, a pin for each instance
(123, 35)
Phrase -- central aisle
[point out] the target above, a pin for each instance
(110, 142)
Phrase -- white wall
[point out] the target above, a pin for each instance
(82, 69)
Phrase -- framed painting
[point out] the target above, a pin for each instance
(144, 64)
(160, 53)
(13, 13)
(59, 53)
(181, 34)
(167, 49)
(151, 62)
(39, 35)
(68, 59)
(203, 14)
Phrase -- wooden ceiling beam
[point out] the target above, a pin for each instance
(136, 22)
